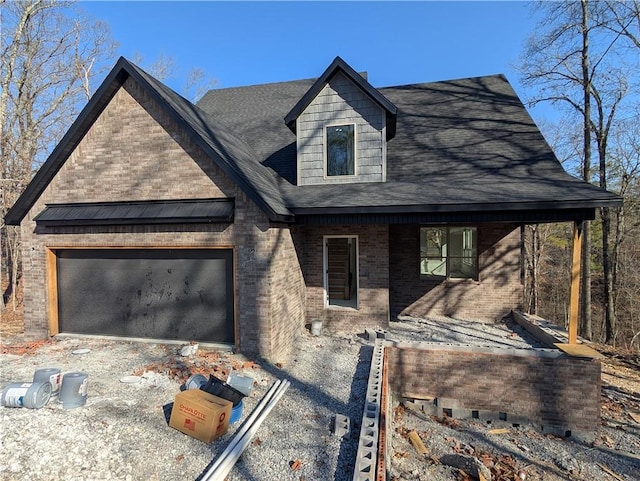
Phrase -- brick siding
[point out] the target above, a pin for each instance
(134, 151)
(557, 393)
(373, 277)
(497, 291)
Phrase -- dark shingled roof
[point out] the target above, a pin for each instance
(339, 65)
(461, 146)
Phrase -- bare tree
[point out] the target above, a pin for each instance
(48, 58)
(165, 69)
(576, 59)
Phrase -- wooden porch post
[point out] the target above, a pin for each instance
(574, 297)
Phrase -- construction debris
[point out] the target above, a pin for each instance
(609, 472)
(417, 443)
(498, 431)
(469, 464)
(341, 425)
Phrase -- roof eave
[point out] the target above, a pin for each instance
(451, 208)
(340, 65)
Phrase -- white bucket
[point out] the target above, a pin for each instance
(316, 327)
(73, 391)
(244, 384)
(49, 374)
(32, 395)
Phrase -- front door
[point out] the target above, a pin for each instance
(341, 271)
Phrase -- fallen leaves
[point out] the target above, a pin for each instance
(24, 348)
(220, 365)
(398, 412)
(295, 464)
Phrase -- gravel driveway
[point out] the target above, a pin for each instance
(121, 433)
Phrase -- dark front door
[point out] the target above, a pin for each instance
(173, 294)
(341, 276)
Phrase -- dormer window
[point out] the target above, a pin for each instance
(340, 151)
(342, 126)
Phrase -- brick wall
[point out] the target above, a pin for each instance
(497, 291)
(136, 152)
(373, 277)
(555, 392)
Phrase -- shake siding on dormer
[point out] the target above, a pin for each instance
(341, 102)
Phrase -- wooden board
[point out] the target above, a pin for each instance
(578, 350)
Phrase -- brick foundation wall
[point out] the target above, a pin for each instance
(497, 291)
(136, 152)
(373, 277)
(557, 393)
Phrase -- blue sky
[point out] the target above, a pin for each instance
(246, 43)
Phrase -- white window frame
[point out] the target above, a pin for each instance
(325, 146)
(325, 271)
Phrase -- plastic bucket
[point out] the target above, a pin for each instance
(236, 413)
(73, 391)
(221, 389)
(32, 395)
(316, 327)
(196, 381)
(244, 384)
(50, 374)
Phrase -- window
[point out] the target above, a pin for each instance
(340, 150)
(449, 252)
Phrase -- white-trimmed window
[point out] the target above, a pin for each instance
(340, 150)
(450, 252)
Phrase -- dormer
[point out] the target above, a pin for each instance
(342, 126)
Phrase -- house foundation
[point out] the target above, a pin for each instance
(555, 393)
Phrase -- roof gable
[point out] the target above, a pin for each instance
(231, 154)
(339, 65)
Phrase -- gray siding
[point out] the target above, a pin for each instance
(341, 101)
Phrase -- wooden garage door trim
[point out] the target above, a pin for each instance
(52, 279)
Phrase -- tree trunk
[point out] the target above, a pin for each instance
(585, 303)
(609, 306)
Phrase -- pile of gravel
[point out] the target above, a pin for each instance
(121, 432)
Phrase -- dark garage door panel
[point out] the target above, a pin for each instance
(161, 294)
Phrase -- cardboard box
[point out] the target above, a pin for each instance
(200, 414)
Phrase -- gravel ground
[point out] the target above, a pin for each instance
(121, 433)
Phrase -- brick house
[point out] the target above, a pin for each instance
(241, 218)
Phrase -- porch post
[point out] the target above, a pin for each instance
(574, 297)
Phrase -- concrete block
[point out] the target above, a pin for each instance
(381, 334)
(419, 404)
(461, 413)
(371, 334)
(432, 410)
(448, 403)
(485, 415)
(341, 425)
(517, 419)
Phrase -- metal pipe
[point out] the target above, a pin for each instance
(245, 426)
(229, 461)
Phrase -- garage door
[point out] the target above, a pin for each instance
(173, 294)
